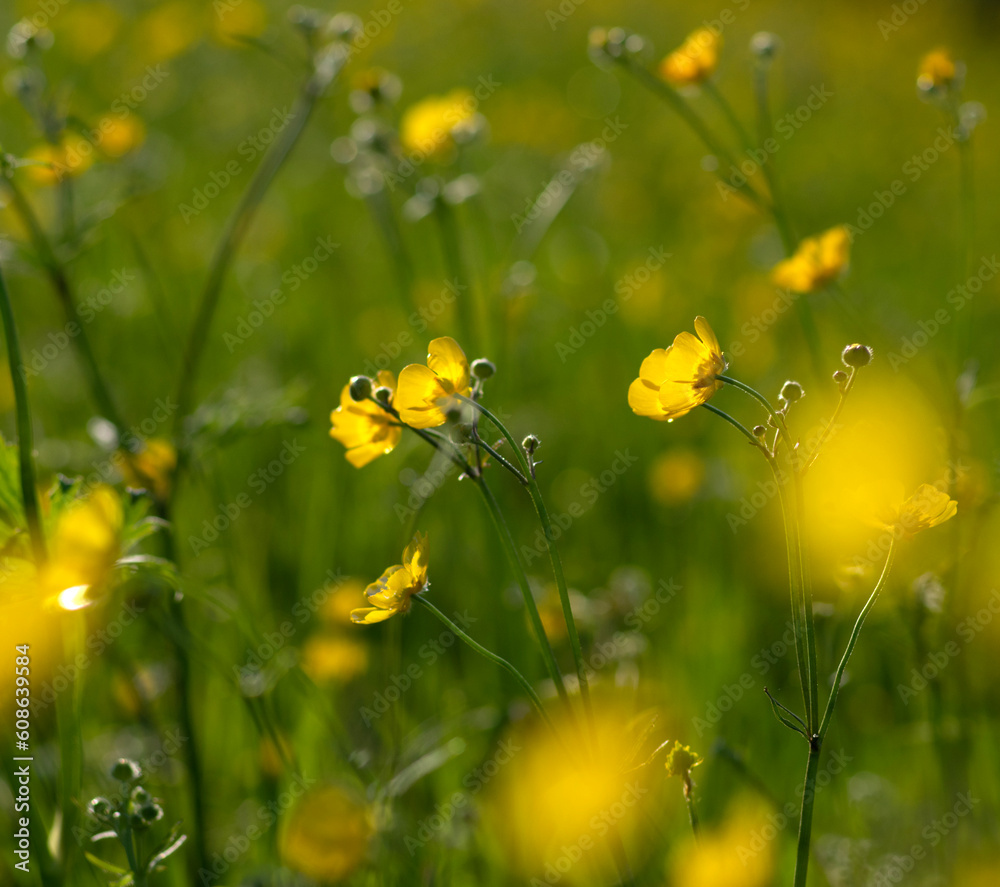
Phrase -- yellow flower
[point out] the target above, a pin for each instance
(152, 467)
(676, 476)
(71, 157)
(936, 70)
(326, 837)
(327, 657)
(816, 262)
(425, 393)
(392, 591)
(119, 136)
(926, 508)
(694, 61)
(675, 380)
(364, 427)
(85, 546)
(428, 126)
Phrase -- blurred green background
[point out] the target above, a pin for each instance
(667, 518)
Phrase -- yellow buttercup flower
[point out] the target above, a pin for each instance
(366, 429)
(428, 126)
(675, 380)
(328, 657)
(391, 593)
(926, 508)
(120, 135)
(816, 262)
(937, 70)
(425, 393)
(73, 156)
(326, 837)
(152, 468)
(695, 60)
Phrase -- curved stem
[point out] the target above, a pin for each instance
(828, 429)
(838, 677)
(26, 454)
(779, 420)
(488, 654)
(727, 111)
(64, 292)
(739, 426)
(232, 236)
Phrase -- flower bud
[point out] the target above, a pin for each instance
(840, 377)
(100, 808)
(140, 796)
(383, 395)
(360, 388)
(759, 431)
(151, 812)
(765, 45)
(483, 368)
(857, 356)
(530, 444)
(792, 391)
(126, 771)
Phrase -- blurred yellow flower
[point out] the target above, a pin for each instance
(737, 854)
(676, 476)
(121, 135)
(695, 60)
(366, 429)
(327, 657)
(336, 608)
(927, 507)
(425, 393)
(428, 126)
(234, 19)
(326, 836)
(73, 156)
(675, 380)
(816, 262)
(168, 29)
(152, 468)
(936, 70)
(85, 30)
(391, 592)
(84, 547)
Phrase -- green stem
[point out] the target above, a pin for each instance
(828, 428)
(236, 229)
(472, 321)
(497, 660)
(26, 455)
(689, 800)
(760, 82)
(64, 292)
(388, 225)
(557, 570)
(808, 618)
(739, 426)
(779, 420)
(727, 111)
(839, 676)
(806, 814)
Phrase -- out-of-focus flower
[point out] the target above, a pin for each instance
(681, 760)
(85, 30)
(84, 547)
(927, 507)
(120, 135)
(168, 29)
(366, 429)
(676, 476)
(152, 468)
(326, 836)
(73, 156)
(675, 380)
(428, 126)
(937, 70)
(723, 858)
(817, 261)
(327, 657)
(695, 60)
(426, 393)
(336, 607)
(238, 18)
(392, 591)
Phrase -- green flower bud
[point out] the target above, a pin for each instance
(840, 377)
(483, 368)
(100, 808)
(792, 391)
(857, 356)
(383, 395)
(126, 771)
(360, 388)
(530, 444)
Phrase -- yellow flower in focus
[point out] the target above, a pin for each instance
(121, 135)
(366, 429)
(84, 547)
(694, 61)
(937, 70)
(152, 468)
(326, 836)
(818, 261)
(72, 157)
(676, 476)
(391, 592)
(723, 857)
(926, 508)
(425, 393)
(428, 126)
(675, 380)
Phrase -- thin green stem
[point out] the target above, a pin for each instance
(689, 800)
(232, 236)
(781, 219)
(64, 291)
(806, 814)
(839, 676)
(25, 436)
(472, 328)
(691, 118)
(492, 657)
(828, 428)
(808, 618)
(739, 426)
(712, 91)
(779, 420)
(557, 570)
(388, 225)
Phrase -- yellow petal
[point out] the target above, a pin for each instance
(446, 358)
(706, 334)
(417, 397)
(370, 615)
(653, 367)
(643, 398)
(415, 559)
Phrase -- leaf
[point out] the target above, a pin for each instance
(105, 866)
(169, 850)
